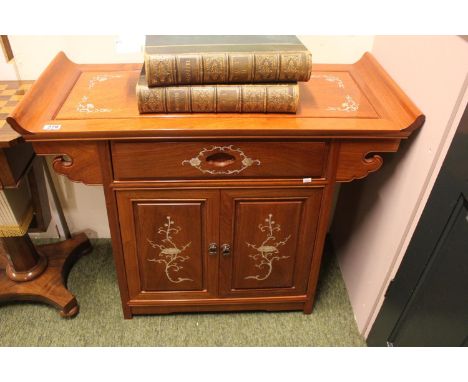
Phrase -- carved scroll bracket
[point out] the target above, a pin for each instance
(78, 161)
(357, 159)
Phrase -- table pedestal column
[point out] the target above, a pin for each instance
(40, 273)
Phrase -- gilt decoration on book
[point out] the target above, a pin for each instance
(219, 98)
(222, 74)
(192, 60)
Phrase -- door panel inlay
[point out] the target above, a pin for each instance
(268, 251)
(263, 256)
(169, 253)
(170, 237)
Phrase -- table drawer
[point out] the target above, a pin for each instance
(232, 159)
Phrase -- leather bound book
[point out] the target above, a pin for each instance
(189, 60)
(247, 98)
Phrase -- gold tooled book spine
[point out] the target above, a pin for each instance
(267, 98)
(220, 68)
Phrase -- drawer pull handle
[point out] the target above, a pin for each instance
(213, 249)
(226, 249)
(220, 159)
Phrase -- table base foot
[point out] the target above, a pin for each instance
(51, 286)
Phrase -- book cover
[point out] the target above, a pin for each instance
(190, 60)
(219, 98)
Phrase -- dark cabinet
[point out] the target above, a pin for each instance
(427, 302)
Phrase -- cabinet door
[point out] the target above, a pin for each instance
(271, 234)
(165, 236)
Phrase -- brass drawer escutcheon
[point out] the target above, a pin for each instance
(220, 157)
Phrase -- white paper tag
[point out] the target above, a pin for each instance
(306, 180)
(51, 127)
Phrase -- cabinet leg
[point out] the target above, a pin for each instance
(30, 273)
(308, 309)
(309, 306)
(127, 312)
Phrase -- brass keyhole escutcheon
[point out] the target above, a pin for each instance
(213, 249)
(226, 249)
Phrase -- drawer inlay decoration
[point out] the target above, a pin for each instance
(232, 152)
(267, 251)
(169, 252)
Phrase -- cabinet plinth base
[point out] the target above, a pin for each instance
(50, 286)
(218, 307)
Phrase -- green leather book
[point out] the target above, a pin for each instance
(190, 60)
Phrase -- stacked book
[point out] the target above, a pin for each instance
(222, 74)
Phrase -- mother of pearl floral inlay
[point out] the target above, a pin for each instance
(170, 252)
(85, 105)
(88, 107)
(199, 160)
(101, 78)
(349, 104)
(267, 251)
(329, 78)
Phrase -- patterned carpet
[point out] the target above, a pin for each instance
(100, 321)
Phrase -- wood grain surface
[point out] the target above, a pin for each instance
(99, 102)
(255, 188)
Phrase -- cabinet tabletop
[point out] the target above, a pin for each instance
(72, 101)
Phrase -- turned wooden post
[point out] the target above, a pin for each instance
(24, 262)
(29, 273)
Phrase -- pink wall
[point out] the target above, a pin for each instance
(375, 217)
